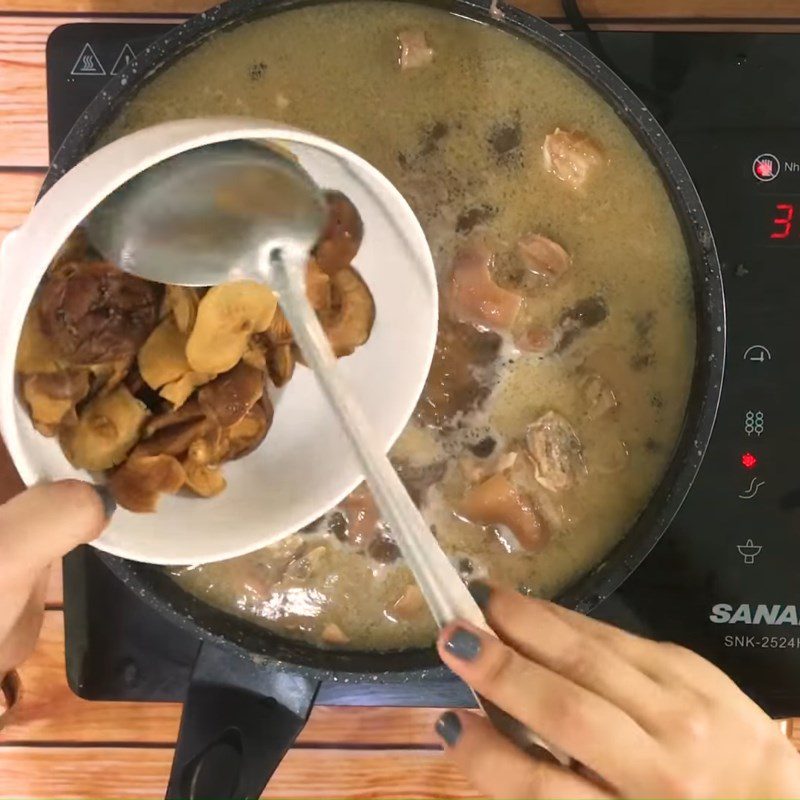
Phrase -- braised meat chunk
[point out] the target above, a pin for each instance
(474, 297)
(571, 156)
(415, 51)
(543, 257)
(556, 452)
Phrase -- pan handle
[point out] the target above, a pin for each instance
(239, 719)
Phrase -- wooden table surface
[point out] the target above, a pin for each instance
(60, 746)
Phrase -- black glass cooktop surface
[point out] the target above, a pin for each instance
(725, 579)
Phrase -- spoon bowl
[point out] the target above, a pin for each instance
(205, 216)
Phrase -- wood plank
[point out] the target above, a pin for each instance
(18, 192)
(49, 712)
(33, 772)
(23, 86)
(22, 92)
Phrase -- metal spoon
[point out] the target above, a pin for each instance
(239, 210)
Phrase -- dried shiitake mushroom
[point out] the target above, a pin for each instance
(204, 479)
(279, 331)
(162, 358)
(280, 364)
(182, 302)
(139, 483)
(229, 397)
(162, 385)
(212, 448)
(189, 433)
(247, 434)
(107, 429)
(49, 430)
(106, 377)
(318, 287)
(179, 391)
(255, 355)
(191, 411)
(51, 396)
(94, 312)
(36, 352)
(75, 248)
(226, 317)
(174, 440)
(342, 234)
(348, 323)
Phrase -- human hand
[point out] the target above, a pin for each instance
(645, 719)
(36, 528)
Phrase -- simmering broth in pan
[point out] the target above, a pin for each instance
(534, 448)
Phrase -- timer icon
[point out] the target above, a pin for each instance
(766, 167)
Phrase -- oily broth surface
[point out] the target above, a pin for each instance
(333, 70)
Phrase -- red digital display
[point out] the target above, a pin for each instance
(749, 460)
(773, 219)
(783, 221)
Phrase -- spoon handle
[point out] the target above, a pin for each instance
(442, 588)
(438, 580)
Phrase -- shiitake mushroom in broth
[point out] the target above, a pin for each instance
(566, 341)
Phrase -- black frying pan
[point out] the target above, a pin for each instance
(251, 690)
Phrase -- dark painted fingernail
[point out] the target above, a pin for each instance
(107, 499)
(463, 644)
(448, 726)
(481, 593)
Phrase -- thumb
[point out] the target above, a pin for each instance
(47, 521)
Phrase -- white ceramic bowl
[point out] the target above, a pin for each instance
(305, 466)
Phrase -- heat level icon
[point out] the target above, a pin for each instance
(748, 551)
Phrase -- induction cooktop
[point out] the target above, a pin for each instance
(725, 579)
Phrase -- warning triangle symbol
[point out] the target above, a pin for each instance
(123, 59)
(88, 63)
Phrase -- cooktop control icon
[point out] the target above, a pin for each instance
(766, 167)
(752, 489)
(757, 352)
(748, 551)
